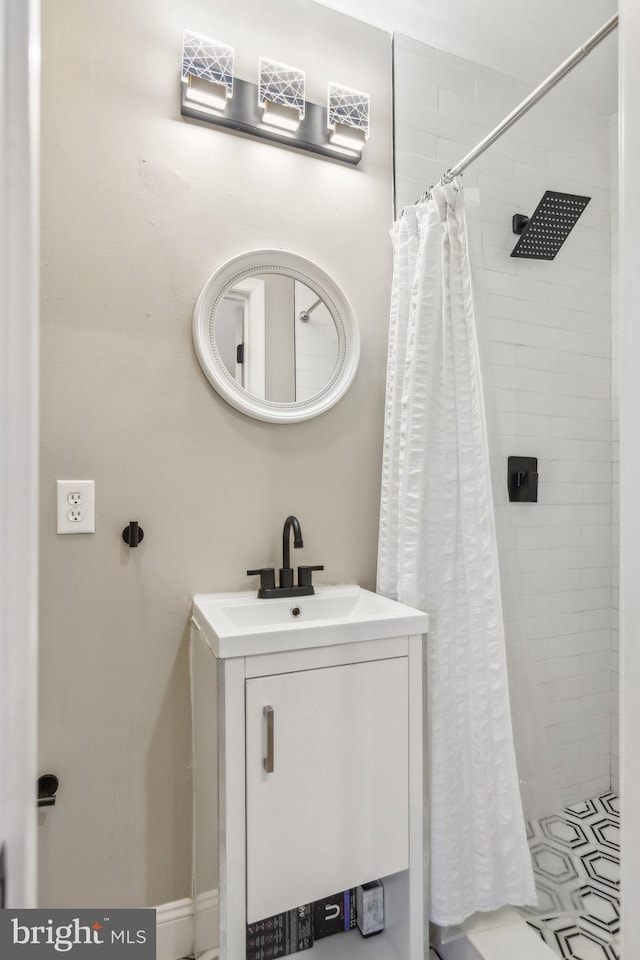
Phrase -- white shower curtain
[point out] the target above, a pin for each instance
(437, 551)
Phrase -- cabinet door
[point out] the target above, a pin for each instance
(334, 811)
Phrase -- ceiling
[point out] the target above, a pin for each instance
(523, 39)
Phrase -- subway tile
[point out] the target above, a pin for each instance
(553, 626)
(597, 282)
(563, 712)
(596, 535)
(511, 378)
(580, 428)
(578, 770)
(558, 449)
(414, 165)
(500, 307)
(533, 538)
(544, 671)
(597, 261)
(510, 286)
(446, 76)
(596, 577)
(532, 560)
(597, 450)
(580, 643)
(537, 403)
(538, 649)
(505, 400)
(597, 367)
(597, 409)
(595, 239)
(596, 493)
(493, 258)
(411, 140)
(598, 555)
(546, 315)
(491, 88)
(577, 471)
(589, 788)
(563, 754)
(466, 108)
(568, 795)
(596, 746)
(555, 494)
(596, 619)
(581, 729)
(513, 332)
(595, 662)
(595, 703)
(557, 361)
(560, 339)
(574, 298)
(579, 386)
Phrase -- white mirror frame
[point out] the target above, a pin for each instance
(298, 268)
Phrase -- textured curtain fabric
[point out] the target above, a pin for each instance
(437, 551)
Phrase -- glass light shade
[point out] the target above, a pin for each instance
(207, 61)
(281, 94)
(347, 108)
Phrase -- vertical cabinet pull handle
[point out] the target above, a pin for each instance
(267, 762)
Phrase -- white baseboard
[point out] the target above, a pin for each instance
(176, 929)
(206, 925)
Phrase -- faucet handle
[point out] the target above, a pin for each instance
(267, 577)
(305, 575)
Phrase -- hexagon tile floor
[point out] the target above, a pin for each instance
(576, 859)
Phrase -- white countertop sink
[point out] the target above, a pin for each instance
(240, 625)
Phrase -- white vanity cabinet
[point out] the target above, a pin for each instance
(320, 785)
(333, 813)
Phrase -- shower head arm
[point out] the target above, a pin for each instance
(519, 223)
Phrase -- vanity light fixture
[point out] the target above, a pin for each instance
(281, 95)
(207, 71)
(347, 117)
(273, 109)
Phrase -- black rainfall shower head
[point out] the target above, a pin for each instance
(542, 234)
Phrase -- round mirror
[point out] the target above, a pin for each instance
(276, 336)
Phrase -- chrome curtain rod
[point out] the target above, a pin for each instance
(530, 101)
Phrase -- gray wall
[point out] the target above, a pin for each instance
(138, 208)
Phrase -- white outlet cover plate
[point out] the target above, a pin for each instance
(76, 498)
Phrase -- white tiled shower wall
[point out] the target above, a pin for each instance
(545, 332)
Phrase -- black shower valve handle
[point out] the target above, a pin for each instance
(267, 577)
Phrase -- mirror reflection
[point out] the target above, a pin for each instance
(276, 338)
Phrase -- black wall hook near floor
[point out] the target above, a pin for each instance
(47, 789)
(133, 534)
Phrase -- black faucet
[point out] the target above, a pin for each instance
(268, 588)
(286, 571)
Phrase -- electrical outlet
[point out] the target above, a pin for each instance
(76, 506)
